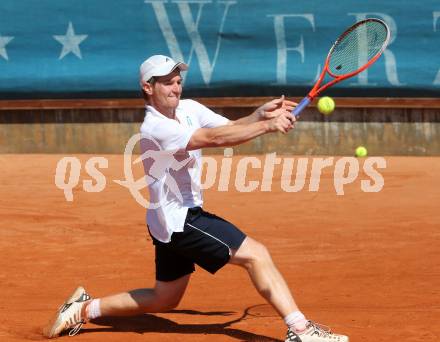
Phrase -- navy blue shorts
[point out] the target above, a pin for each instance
(207, 240)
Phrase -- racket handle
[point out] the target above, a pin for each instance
(303, 104)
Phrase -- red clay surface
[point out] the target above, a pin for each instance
(366, 264)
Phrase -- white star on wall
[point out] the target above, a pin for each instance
(3, 42)
(70, 42)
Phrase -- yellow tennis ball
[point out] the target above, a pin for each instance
(361, 151)
(326, 105)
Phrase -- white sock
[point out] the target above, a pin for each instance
(93, 310)
(296, 321)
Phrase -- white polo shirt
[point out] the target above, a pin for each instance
(173, 174)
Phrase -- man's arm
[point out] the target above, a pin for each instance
(231, 135)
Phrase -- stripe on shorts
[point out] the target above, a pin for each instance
(212, 236)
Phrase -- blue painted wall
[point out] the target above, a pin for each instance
(93, 48)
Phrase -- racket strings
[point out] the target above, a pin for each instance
(357, 47)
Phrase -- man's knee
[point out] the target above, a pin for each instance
(261, 255)
(169, 302)
(251, 254)
(169, 294)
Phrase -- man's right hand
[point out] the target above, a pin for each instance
(282, 123)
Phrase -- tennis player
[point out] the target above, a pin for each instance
(182, 232)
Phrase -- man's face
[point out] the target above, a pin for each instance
(165, 92)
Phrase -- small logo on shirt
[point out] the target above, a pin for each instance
(188, 120)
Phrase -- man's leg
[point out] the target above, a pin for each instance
(79, 308)
(165, 296)
(255, 258)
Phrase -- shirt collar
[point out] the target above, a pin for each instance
(155, 112)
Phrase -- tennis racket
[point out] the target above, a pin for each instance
(354, 51)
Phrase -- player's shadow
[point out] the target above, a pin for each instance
(149, 323)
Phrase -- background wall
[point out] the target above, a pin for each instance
(385, 131)
(82, 48)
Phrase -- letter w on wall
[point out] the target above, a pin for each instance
(192, 28)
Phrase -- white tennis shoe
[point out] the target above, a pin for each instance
(314, 333)
(68, 315)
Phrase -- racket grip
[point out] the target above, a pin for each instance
(303, 104)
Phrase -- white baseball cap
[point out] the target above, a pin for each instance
(158, 65)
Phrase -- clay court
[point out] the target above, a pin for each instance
(365, 264)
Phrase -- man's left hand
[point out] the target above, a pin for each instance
(274, 108)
